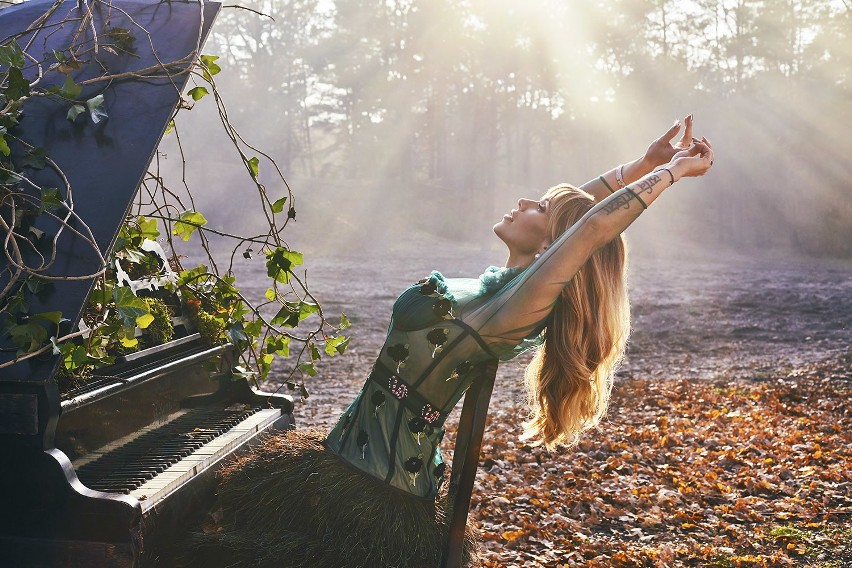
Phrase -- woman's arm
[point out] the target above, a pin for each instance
(516, 311)
(659, 152)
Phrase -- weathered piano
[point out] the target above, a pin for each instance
(104, 474)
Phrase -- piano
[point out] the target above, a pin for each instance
(107, 473)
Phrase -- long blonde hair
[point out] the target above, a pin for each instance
(570, 377)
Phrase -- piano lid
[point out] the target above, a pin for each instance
(104, 163)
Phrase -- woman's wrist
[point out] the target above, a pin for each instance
(675, 170)
(637, 169)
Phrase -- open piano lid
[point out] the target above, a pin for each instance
(104, 163)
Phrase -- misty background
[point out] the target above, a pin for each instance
(419, 119)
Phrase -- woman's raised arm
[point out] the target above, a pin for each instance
(518, 310)
(659, 152)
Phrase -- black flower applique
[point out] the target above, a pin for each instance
(417, 426)
(440, 469)
(443, 308)
(399, 353)
(437, 338)
(429, 288)
(378, 399)
(362, 442)
(462, 369)
(413, 465)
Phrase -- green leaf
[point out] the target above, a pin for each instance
(144, 320)
(28, 337)
(315, 354)
(270, 294)
(70, 89)
(148, 228)
(254, 166)
(210, 66)
(60, 56)
(278, 206)
(279, 263)
(239, 310)
(344, 322)
(197, 93)
(128, 305)
(11, 55)
(189, 222)
(35, 158)
(308, 368)
(236, 334)
(192, 275)
(288, 315)
(96, 112)
(122, 38)
(53, 317)
(279, 345)
(74, 112)
(4, 146)
(95, 102)
(17, 303)
(101, 295)
(51, 199)
(306, 309)
(16, 87)
(336, 345)
(79, 356)
(253, 328)
(170, 127)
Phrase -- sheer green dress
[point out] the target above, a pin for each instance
(369, 493)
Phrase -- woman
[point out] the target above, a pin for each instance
(365, 494)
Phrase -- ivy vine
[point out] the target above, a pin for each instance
(141, 288)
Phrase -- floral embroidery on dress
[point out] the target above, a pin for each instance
(398, 388)
(430, 414)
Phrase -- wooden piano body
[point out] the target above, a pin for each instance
(105, 475)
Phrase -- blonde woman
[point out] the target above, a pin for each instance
(368, 493)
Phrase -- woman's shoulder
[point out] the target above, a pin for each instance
(436, 297)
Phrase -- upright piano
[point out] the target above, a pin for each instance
(106, 473)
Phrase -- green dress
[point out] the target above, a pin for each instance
(393, 429)
(369, 493)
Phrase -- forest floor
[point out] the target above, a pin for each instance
(729, 436)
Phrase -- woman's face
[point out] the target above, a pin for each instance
(524, 230)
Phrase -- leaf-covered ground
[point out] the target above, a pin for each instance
(684, 473)
(728, 439)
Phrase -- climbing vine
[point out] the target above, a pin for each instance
(142, 289)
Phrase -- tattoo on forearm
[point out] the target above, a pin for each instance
(647, 185)
(618, 202)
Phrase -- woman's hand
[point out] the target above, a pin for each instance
(661, 151)
(693, 161)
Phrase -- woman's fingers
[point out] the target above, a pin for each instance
(687, 133)
(670, 133)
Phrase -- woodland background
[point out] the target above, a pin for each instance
(407, 115)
